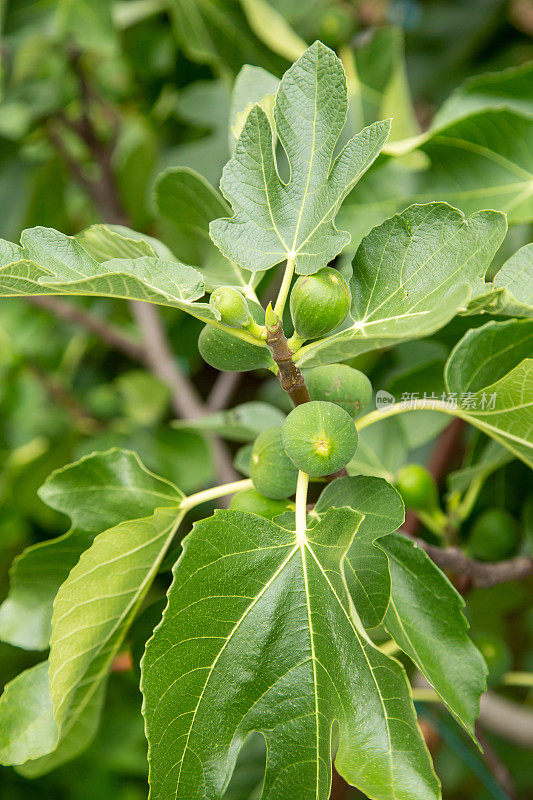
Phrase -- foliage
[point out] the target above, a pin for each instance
(285, 211)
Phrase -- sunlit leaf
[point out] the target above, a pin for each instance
(273, 220)
(411, 275)
(279, 651)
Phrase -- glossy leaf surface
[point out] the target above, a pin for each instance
(273, 220)
(411, 275)
(279, 651)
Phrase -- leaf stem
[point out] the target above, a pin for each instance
(400, 408)
(216, 491)
(301, 507)
(284, 288)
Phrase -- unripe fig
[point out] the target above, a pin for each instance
(232, 306)
(493, 536)
(417, 488)
(338, 383)
(256, 503)
(271, 470)
(319, 303)
(319, 438)
(230, 354)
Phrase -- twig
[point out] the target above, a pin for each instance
(186, 401)
(507, 719)
(289, 376)
(158, 356)
(480, 573)
(107, 333)
(222, 390)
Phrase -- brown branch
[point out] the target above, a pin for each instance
(479, 573)
(289, 375)
(186, 401)
(222, 390)
(107, 333)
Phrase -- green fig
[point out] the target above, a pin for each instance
(271, 470)
(230, 354)
(319, 303)
(494, 535)
(319, 437)
(256, 503)
(338, 383)
(232, 306)
(417, 488)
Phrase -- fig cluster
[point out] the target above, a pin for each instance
(318, 437)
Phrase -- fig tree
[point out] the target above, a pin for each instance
(319, 437)
(271, 470)
(319, 303)
(338, 383)
(256, 503)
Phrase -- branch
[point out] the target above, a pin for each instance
(186, 401)
(507, 719)
(222, 390)
(289, 375)
(107, 333)
(480, 573)
(158, 356)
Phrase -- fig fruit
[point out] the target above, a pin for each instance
(271, 470)
(232, 306)
(319, 437)
(494, 535)
(256, 503)
(338, 383)
(417, 488)
(228, 353)
(319, 303)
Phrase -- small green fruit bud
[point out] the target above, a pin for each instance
(232, 306)
(338, 383)
(417, 488)
(250, 500)
(495, 535)
(319, 303)
(319, 438)
(271, 318)
(271, 470)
